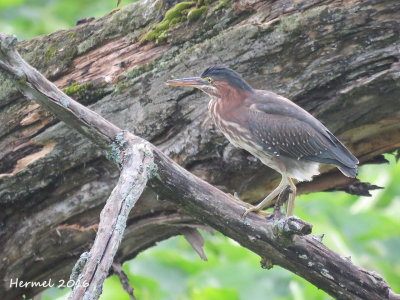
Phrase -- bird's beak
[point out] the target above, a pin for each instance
(194, 82)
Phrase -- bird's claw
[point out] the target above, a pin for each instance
(248, 211)
(249, 207)
(258, 211)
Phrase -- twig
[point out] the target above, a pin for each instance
(123, 278)
(195, 239)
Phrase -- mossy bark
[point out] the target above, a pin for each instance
(340, 62)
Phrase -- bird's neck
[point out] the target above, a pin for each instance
(227, 105)
(230, 95)
(233, 98)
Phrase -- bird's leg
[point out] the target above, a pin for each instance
(292, 196)
(268, 200)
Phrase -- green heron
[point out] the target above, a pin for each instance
(281, 134)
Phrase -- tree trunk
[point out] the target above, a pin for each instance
(340, 61)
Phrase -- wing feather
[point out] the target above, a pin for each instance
(285, 135)
(283, 128)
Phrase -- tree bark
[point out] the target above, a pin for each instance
(340, 62)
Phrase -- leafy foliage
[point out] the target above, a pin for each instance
(29, 18)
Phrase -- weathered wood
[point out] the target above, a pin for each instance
(339, 61)
(126, 151)
(278, 240)
(113, 219)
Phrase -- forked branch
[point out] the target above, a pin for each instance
(279, 241)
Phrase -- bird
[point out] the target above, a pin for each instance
(278, 132)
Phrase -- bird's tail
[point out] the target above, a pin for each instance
(349, 172)
(346, 162)
(337, 154)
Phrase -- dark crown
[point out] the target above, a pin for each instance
(219, 73)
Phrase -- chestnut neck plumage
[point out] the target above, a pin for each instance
(231, 96)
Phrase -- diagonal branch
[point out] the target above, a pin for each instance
(124, 149)
(277, 241)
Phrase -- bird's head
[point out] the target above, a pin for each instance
(216, 81)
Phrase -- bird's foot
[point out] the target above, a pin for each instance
(256, 210)
(113, 11)
(249, 207)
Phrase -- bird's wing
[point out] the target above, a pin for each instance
(285, 135)
(274, 104)
(281, 126)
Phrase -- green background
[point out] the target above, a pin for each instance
(29, 18)
(365, 228)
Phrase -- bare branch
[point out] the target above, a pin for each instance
(304, 256)
(278, 241)
(133, 156)
(36, 87)
(132, 181)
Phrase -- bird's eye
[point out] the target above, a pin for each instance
(209, 79)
